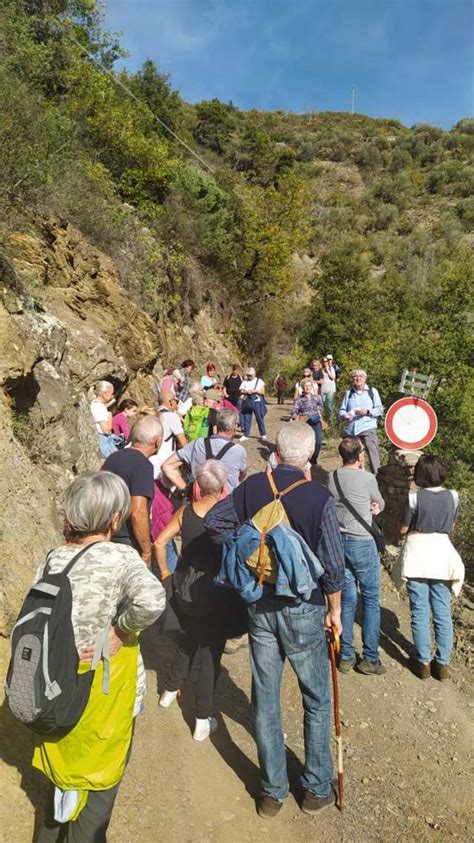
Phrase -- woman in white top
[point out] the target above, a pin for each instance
(104, 392)
(431, 565)
(252, 402)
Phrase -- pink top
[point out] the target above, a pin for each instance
(120, 425)
(168, 384)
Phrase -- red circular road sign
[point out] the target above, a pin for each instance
(411, 423)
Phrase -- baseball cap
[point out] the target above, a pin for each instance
(329, 356)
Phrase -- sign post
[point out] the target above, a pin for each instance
(411, 423)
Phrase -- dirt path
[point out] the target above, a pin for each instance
(407, 752)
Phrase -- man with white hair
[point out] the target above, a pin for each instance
(360, 409)
(134, 467)
(281, 627)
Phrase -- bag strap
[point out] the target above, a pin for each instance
(220, 454)
(353, 391)
(276, 493)
(77, 556)
(351, 509)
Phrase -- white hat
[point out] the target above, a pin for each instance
(329, 356)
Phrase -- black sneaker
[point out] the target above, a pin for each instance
(312, 804)
(346, 665)
(370, 668)
(267, 806)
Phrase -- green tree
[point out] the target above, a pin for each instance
(153, 86)
(215, 124)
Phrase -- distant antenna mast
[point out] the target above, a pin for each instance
(353, 99)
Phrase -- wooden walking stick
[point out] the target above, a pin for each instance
(334, 647)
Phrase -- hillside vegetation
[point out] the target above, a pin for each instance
(305, 233)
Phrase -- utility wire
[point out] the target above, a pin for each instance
(127, 90)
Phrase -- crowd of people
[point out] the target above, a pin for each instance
(172, 531)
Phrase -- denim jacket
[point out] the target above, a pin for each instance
(298, 568)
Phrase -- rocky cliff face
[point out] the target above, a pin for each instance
(65, 322)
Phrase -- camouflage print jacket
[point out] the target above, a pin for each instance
(109, 582)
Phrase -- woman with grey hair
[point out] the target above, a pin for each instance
(103, 394)
(114, 597)
(200, 604)
(252, 402)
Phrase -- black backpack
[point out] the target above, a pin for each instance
(220, 454)
(353, 391)
(43, 687)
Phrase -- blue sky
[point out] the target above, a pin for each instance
(410, 59)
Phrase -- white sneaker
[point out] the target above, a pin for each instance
(264, 438)
(167, 698)
(243, 438)
(204, 728)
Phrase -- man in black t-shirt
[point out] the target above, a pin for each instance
(134, 467)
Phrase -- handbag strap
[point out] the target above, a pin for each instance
(351, 509)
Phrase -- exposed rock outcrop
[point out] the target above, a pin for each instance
(66, 322)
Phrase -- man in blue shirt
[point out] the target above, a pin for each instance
(360, 408)
(283, 628)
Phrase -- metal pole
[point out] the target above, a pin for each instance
(353, 99)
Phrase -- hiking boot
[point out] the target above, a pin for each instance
(234, 644)
(312, 804)
(243, 439)
(267, 806)
(439, 671)
(423, 671)
(204, 727)
(346, 665)
(370, 668)
(167, 698)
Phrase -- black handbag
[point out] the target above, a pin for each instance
(374, 529)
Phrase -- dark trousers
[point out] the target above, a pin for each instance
(90, 826)
(202, 646)
(280, 396)
(318, 435)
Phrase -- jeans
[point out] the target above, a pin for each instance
(362, 566)
(107, 444)
(202, 648)
(318, 434)
(171, 556)
(434, 594)
(280, 630)
(246, 419)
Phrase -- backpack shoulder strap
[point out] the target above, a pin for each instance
(77, 556)
(276, 493)
(208, 449)
(223, 451)
(371, 395)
